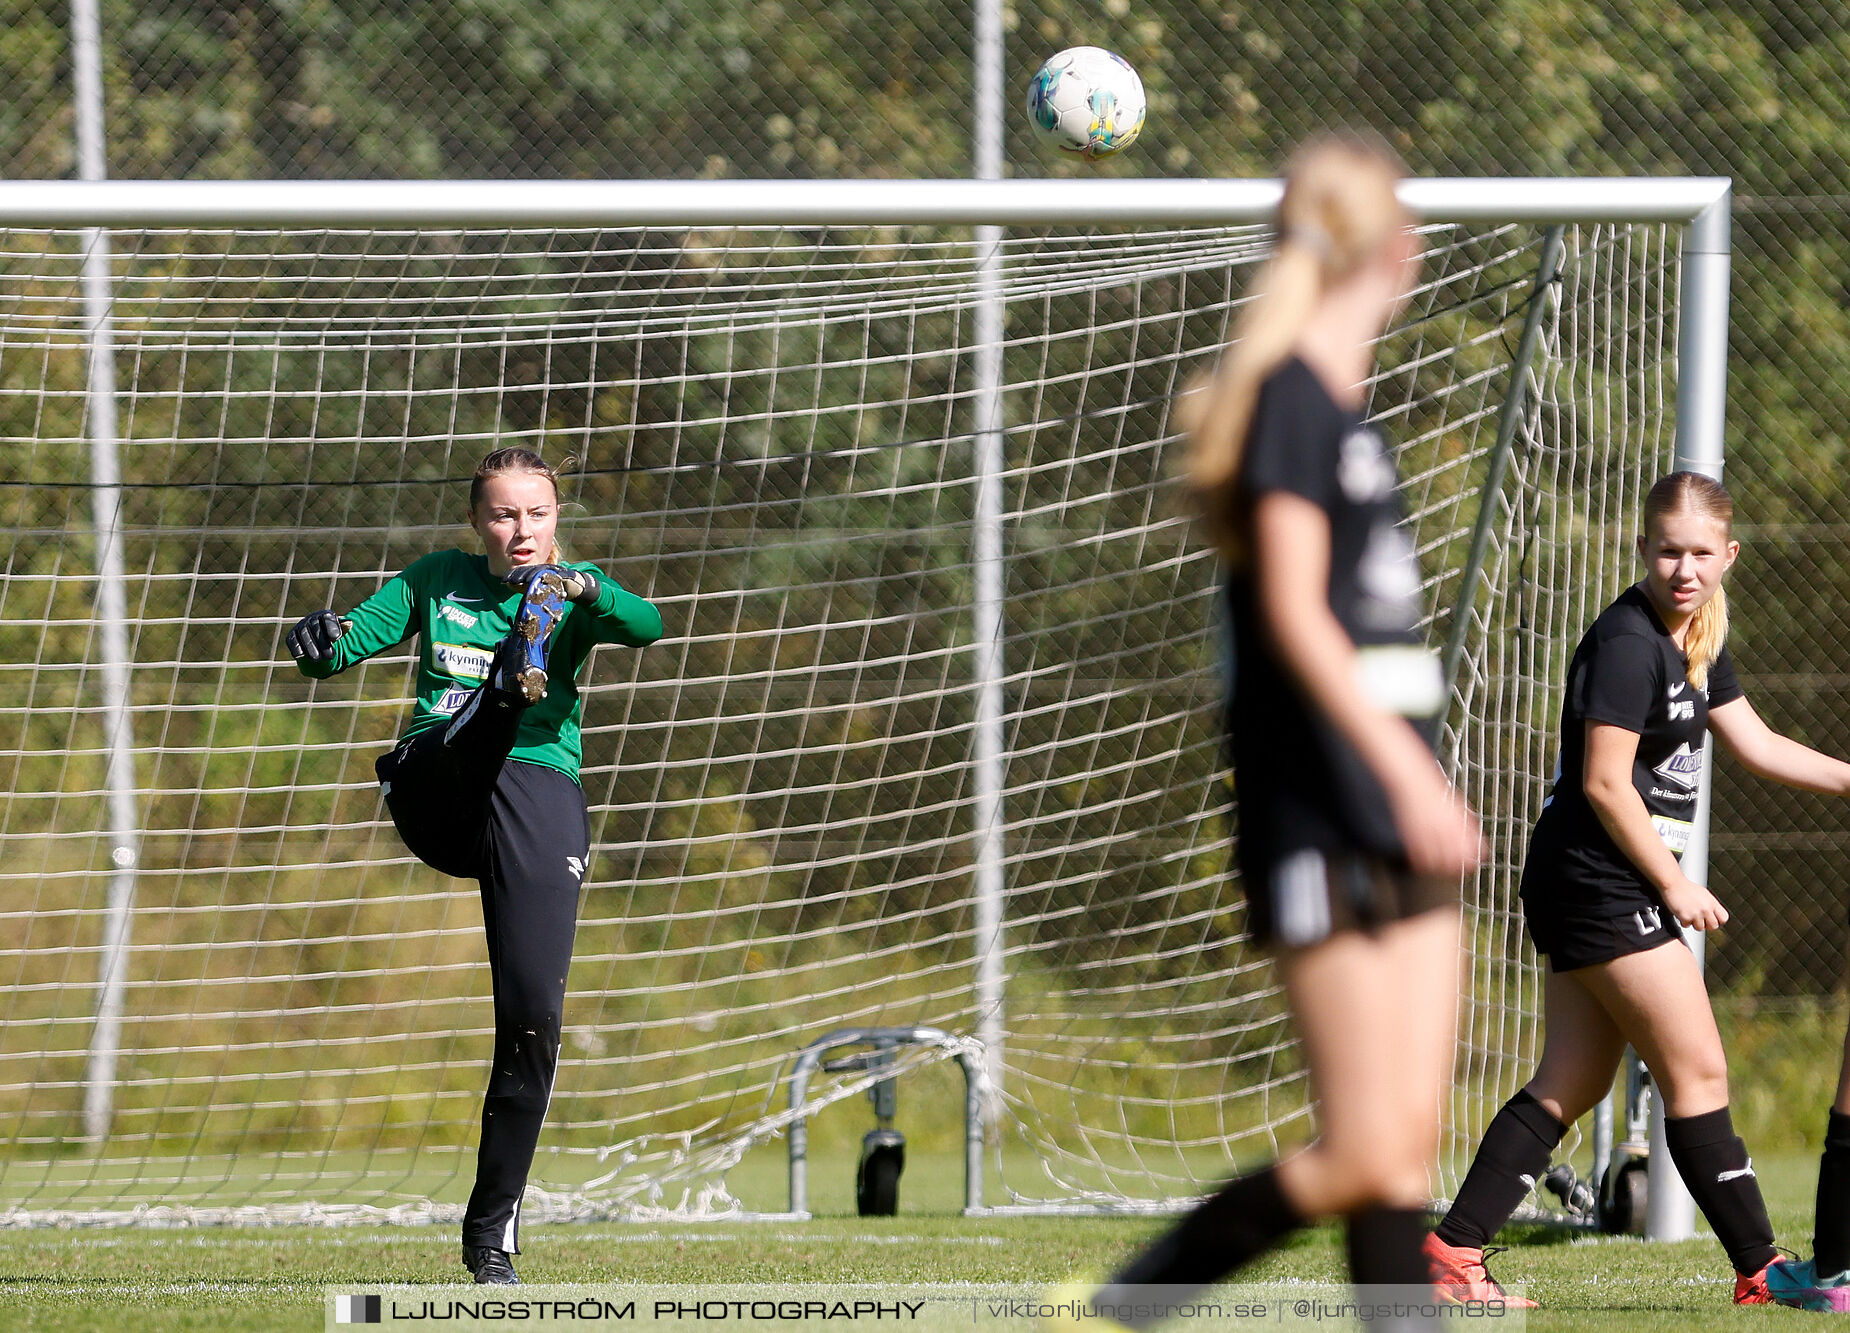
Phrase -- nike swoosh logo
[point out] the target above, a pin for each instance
(458, 597)
(1675, 690)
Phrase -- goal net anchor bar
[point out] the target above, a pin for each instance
(884, 1040)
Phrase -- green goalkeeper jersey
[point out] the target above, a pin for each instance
(461, 613)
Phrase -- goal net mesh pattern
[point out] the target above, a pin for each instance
(772, 435)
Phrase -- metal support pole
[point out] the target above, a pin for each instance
(1702, 340)
(1602, 1142)
(123, 821)
(990, 590)
(1702, 399)
(990, 740)
(1670, 1211)
(988, 89)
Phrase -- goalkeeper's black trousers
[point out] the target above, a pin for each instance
(464, 808)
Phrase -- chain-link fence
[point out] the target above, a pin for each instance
(1752, 89)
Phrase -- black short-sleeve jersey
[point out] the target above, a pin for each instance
(1628, 672)
(1299, 783)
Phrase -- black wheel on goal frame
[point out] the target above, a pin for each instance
(1624, 1195)
(876, 1184)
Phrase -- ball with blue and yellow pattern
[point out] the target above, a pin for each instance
(1087, 100)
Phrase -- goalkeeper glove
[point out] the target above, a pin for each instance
(314, 636)
(580, 585)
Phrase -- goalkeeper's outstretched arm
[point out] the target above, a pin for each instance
(324, 644)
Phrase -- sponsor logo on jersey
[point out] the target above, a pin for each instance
(1683, 712)
(1676, 833)
(457, 616)
(1403, 678)
(452, 699)
(1682, 769)
(1388, 576)
(1363, 468)
(1677, 689)
(460, 661)
(458, 597)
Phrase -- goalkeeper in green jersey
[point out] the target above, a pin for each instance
(484, 783)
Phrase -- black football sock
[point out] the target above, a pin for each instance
(1831, 1241)
(1242, 1220)
(1386, 1249)
(504, 667)
(1513, 1156)
(1714, 1164)
(482, 732)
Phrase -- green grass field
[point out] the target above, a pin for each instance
(123, 1278)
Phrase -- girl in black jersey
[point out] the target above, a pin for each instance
(1603, 893)
(484, 783)
(1351, 841)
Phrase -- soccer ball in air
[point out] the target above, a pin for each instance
(1087, 100)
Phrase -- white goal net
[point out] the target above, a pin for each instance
(231, 994)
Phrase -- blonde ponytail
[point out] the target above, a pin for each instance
(1217, 411)
(1708, 631)
(1338, 210)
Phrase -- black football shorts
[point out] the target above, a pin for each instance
(1303, 897)
(1572, 940)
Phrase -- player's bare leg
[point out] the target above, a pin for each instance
(1659, 1000)
(1581, 1048)
(1356, 999)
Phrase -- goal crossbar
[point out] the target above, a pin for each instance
(753, 203)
